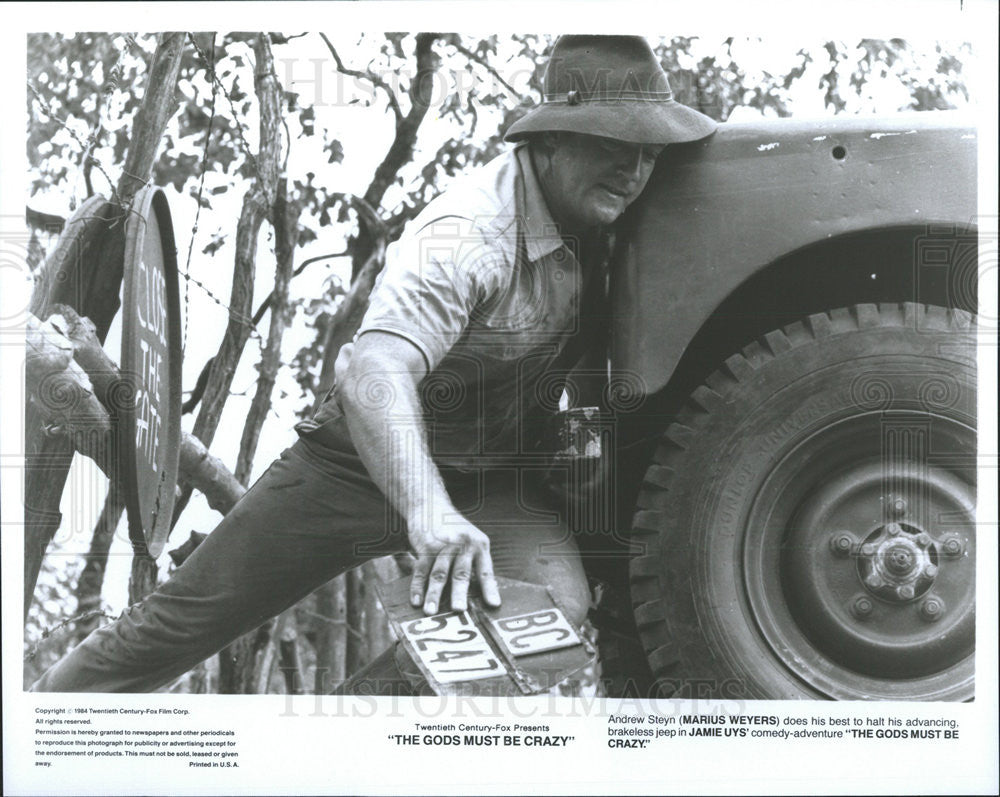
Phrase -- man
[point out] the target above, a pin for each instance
(430, 437)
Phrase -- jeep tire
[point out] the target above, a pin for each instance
(805, 529)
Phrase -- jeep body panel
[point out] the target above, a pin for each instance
(718, 211)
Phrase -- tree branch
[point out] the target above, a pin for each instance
(61, 389)
(208, 475)
(158, 105)
(455, 41)
(369, 218)
(368, 75)
(66, 333)
(264, 305)
(351, 310)
(202, 381)
(401, 150)
(395, 223)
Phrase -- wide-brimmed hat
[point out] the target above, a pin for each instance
(610, 86)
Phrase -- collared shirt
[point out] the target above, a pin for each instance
(484, 286)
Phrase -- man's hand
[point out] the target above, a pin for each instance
(456, 548)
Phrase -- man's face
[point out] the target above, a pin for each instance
(592, 179)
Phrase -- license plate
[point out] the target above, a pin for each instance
(535, 632)
(452, 647)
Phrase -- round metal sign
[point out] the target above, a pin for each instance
(150, 422)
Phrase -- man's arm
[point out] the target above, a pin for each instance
(377, 390)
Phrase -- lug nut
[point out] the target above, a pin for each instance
(952, 546)
(923, 540)
(930, 570)
(898, 507)
(932, 609)
(892, 529)
(868, 549)
(874, 581)
(862, 607)
(842, 543)
(905, 591)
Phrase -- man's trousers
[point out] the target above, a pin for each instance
(314, 514)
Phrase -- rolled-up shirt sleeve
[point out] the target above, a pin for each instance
(431, 282)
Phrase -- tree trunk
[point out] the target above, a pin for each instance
(282, 654)
(331, 636)
(240, 661)
(104, 376)
(350, 313)
(356, 655)
(286, 221)
(256, 205)
(142, 579)
(48, 457)
(377, 632)
(91, 581)
(289, 657)
(282, 648)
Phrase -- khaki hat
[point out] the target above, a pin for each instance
(610, 86)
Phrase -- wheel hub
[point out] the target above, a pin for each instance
(898, 562)
(876, 580)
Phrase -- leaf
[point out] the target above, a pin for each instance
(213, 246)
(193, 120)
(202, 200)
(246, 169)
(336, 150)
(236, 93)
(176, 170)
(307, 119)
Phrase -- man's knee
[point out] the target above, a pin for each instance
(575, 602)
